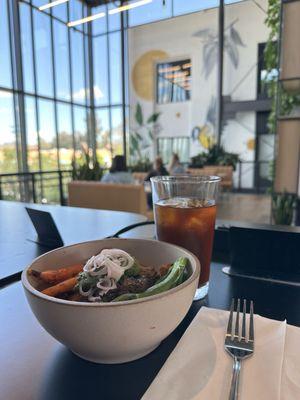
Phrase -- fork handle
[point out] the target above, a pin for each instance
(235, 379)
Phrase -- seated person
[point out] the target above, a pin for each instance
(118, 172)
(158, 169)
(175, 167)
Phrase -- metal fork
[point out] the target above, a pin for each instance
(238, 344)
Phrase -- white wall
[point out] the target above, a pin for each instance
(186, 37)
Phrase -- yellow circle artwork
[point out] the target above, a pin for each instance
(143, 73)
(251, 144)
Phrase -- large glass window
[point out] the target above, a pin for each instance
(61, 53)
(114, 20)
(57, 72)
(61, 12)
(184, 7)
(103, 141)
(80, 121)
(75, 7)
(65, 135)
(153, 11)
(117, 130)
(47, 134)
(99, 25)
(100, 70)
(39, 3)
(31, 134)
(26, 44)
(43, 54)
(115, 68)
(5, 64)
(8, 155)
(78, 81)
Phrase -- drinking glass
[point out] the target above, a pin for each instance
(185, 214)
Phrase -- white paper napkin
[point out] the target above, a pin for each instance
(200, 369)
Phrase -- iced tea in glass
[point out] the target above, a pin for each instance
(185, 214)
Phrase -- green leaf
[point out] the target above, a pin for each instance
(139, 114)
(153, 118)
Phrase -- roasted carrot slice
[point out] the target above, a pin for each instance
(61, 287)
(57, 275)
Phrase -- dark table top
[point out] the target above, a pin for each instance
(33, 366)
(74, 224)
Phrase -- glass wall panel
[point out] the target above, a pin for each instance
(39, 3)
(117, 130)
(61, 54)
(75, 7)
(31, 134)
(47, 134)
(8, 154)
(26, 43)
(65, 135)
(100, 70)
(153, 11)
(79, 90)
(114, 20)
(5, 63)
(43, 54)
(115, 68)
(99, 25)
(60, 12)
(80, 128)
(103, 136)
(183, 7)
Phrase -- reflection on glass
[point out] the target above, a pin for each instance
(114, 20)
(26, 43)
(8, 153)
(32, 136)
(5, 67)
(100, 70)
(150, 12)
(39, 3)
(115, 68)
(80, 122)
(103, 136)
(60, 12)
(117, 130)
(43, 56)
(61, 60)
(184, 7)
(99, 25)
(173, 81)
(47, 134)
(65, 136)
(76, 11)
(79, 91)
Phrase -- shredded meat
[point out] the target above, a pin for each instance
(130, 284)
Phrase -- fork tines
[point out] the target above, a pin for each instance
(234, 333)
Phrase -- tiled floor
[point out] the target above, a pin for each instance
(245, 207)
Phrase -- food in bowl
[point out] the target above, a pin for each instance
(112, 275)
(116, 331)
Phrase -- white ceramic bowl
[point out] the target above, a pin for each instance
(113, 332)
